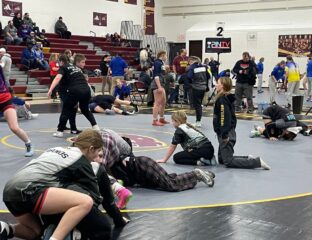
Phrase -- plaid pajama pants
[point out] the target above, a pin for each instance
(150, 174)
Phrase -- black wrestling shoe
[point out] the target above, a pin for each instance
(75, 131)
(4, 231)
(136, 108)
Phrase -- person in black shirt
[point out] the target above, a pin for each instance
(280, 123)
(106, 79)
(224, 124)
(197, 149)
(78, 91)
(109, 104)
(245, 71)
(214, 68)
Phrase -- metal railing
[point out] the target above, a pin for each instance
(135, 32)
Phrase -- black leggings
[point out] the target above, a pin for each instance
(191, 158)
(198, 96)
(72, 119)
(81, 96)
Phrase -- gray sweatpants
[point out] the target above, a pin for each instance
(226, 154)
(293, 89)
(272, 89)
(246, 90)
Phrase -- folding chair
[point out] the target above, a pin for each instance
(138, 92)
(141, 90)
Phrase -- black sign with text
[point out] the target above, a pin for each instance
(218, 45)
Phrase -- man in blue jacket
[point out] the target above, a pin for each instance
(119, 68)
(278, 74)
(260, 68)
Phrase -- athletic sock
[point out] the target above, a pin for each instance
(116, 187)
(52, 238)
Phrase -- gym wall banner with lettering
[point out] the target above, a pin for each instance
(149, 17)
(9, 8)
(218, 45)
(295, 45)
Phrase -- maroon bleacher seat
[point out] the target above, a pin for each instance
(95, 80)
(19, 89)
(12, 82)
(44, 80)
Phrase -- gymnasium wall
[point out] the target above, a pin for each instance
(266, 26)
(78, 15)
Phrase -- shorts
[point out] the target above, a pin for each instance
(92, 107)
(32, 205)
(6, 105)
(108, 99)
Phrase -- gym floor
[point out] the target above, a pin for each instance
(243, 204)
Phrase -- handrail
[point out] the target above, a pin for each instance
(94, 36)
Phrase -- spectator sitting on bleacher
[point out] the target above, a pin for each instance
(30, 23)
(10, 34)
(40, 37)
(122, 91)
(28, 58)
(60, 28)
(69, 55)
(115, 39)
(24, 32)
(124, 42)
(31, 39)
(17, 20)
(39, 57)
(108, 37)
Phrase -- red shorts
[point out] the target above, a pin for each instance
(5, 101)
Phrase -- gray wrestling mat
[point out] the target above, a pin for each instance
(290, 162)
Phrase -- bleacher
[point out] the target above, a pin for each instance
(59, 45)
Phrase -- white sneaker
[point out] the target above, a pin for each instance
(58, 134)
(96, 127)
(197, 124)
(34, 115)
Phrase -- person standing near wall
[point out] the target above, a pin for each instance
(214, 67)
(245, 70)
(6, 64)
(179, 67)
(309, 76)
(106, 79)
(260, 69)
(199, 77)
(293, 79)
(277, 75)
(157, 86)
(118, 67)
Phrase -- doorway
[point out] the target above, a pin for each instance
(196, 48)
